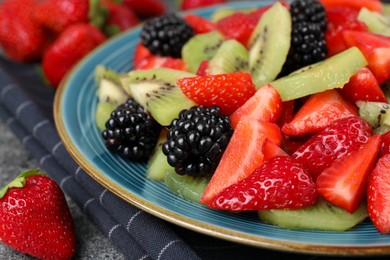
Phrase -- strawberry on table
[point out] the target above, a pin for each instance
(119, 18)
(344, 183)
(146, 8)
(378, 195)
(280, 183)
(227, 91)
(70, 46)
(35, 218)
(21, 38)
(57, 15)
(318, 112)
(332, 143)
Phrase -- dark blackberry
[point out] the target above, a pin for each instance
(196, 140)
(131, 132)
(165, 35)
(311, 11)
(308, 46)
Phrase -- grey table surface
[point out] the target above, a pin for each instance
(14, 159)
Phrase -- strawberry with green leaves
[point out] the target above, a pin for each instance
(35, 217)
(344, 183)
(332, 143)
(279, 183)
(228, 91)
(21, 38)
(68, 48)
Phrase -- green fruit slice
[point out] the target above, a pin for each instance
(158, 164)
(377, 114)
(331, 73)
(320, 216)
(269, 44)
(376, 22)
(185, 186)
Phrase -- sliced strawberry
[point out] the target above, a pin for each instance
(374, 5)
(199, 24)
(203, 66)
(227, 91)
(238, 26)
(375, 48)
(192, 4)
(264, 105)
(378, 195)
(140, 53)
(270, 150)
(386, 144)
(341, 18)
(242, 155)
(318, 112)
(334, 142)
(344, 183)
(363, 86)
(280, 183)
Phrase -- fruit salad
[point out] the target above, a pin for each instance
(282, 110)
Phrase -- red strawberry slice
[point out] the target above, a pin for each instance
(238, 26)
(242, 155)
(192, 4)
(280, 183)
(363, 86)
(227, 91)
(374, 5)
(344, 183)
(199, 24)
(378, 195)
(264, 105)
(375, 48)
(334, 142)
(318, 112)
(270, 150)
(386, 144)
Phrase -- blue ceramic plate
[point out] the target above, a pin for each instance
(75, 105)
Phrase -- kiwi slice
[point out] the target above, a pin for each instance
(231, 56)
(221, 13)
(158, 164)
(185, 186)
(376, 22)
(157, 91)
(201, 47)
(321, 216)
(377, 114)
(269, 44)
(110, 94)
(330, 73)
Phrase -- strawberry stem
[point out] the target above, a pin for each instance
(97, 13)
(20, 180)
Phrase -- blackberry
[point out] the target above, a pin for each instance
(165, 35)
(311, 11)
(131, 132)
(196, 140)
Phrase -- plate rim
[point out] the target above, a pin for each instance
(186, 222)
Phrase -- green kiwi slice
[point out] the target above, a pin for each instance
(231, 56)
(157, 91)
(320, 216)
(185, 186)
(269, 44)
(376, 22)
(158, 164)
(330, 73)
(377, 114)
(201, 47)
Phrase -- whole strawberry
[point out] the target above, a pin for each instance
(191, 4)
(70, 46)
(57, 15)
(21, 38)
(279, 183)
(119, 18)
(35, 218)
